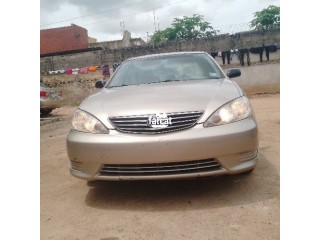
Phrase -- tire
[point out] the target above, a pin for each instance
(45, 111)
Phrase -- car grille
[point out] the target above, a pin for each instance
(198, 166)
(139, 123)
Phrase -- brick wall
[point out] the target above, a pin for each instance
(63, 39)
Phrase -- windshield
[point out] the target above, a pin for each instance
(156, 69)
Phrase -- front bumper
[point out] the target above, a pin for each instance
(234, 146)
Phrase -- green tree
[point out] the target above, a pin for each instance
(184, 29)
(267, 18)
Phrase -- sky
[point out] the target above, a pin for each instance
(105, 19)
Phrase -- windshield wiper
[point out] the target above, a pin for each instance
(146, 83)
(123, 85)
(171, 80)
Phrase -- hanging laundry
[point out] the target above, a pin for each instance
(115, 66)
(267, 52)
(92, 68)
(84, 70)
(241, 57)
(75, 71)
(69, 71)
(105, 70)
(236, 51)
(61, 71)
(228, 56)
(273, 48)
(243, 52)
(257, 50)
(223, 55)
(54, 72)
(214, 54)
(248, 57)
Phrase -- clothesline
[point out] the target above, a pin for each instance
(83, 70)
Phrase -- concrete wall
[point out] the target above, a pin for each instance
(117, 44)
(75, 60)
(256, 39)
(254, 59)
(91, 40)
(262, 78)
(257, 78)
(126, 42)
(109, 56)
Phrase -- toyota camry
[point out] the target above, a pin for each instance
(164, 116)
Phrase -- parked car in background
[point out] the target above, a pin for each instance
(164, 116)
(50, 98)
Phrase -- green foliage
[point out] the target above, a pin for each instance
(185, 28)
(267, 18)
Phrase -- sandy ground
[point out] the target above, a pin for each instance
(227, 207)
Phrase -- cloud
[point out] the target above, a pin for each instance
(102, 18)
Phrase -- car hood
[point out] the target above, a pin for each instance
(183, 96)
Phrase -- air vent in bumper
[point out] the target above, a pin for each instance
(161, 169)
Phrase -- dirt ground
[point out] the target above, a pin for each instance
(226, 207)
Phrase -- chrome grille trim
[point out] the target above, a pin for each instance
(139, 123)
(196, 166)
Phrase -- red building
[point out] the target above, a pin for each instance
(63, 39)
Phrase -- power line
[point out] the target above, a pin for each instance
(129, 15)
(99, 12)
(90, 14)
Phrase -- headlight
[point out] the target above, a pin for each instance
(85, 122)
(233, 111)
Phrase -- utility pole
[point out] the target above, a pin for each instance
(154, 21)
(122, 27)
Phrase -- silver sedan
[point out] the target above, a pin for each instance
(164, 116)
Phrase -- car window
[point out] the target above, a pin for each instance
(165, 68)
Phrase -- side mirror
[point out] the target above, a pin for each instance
(100, 84)
(233, 72)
